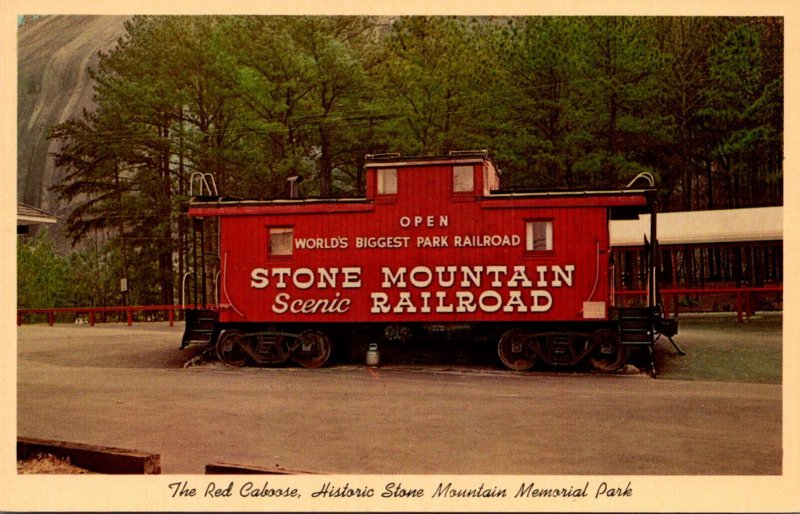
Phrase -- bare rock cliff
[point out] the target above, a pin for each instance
(52, 86)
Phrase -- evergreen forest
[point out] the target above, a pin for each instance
(561, 102)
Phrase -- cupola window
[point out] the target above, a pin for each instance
(387, 181)
(463, 179)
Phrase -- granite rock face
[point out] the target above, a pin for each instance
(54, 54)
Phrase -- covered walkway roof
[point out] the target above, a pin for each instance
(758, 224)
(27, 216)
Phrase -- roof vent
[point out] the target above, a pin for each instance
(469, 153)
(381, 156)
(294, 185)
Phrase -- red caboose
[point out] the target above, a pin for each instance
(434, 246)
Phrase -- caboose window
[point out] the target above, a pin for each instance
(463, 179)
(280, 241)
(387, 181)
(539, 236)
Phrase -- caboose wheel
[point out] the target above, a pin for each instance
(229, 348)
(515, 352)
(609, 355)
(314, 349)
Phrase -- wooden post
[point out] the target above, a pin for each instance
(130, 317)
(674, 259)
(222, 468)
(739, 306)
(172, 316)
(91, 318)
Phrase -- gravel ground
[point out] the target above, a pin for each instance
(126, 387)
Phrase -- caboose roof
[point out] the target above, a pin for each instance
(396, 161)
(510, 193)
(628, 202)
(483, 189)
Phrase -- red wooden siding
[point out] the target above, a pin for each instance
(424, 207)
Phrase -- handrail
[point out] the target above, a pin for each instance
(183, 286)
(645, 175)
(204, 184)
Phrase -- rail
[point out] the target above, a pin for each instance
(745, 304)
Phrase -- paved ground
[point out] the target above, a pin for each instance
(126, 387)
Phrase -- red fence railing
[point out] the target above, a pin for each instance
(91, 313)
(744, 299)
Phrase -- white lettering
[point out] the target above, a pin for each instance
(440, 271)
(515, 300)
(404, 304)
(320, 243)
(508, 289)
(382, 242)
(426, 281)
(559, 273)
(380, 303)
(541, 270)
(327, 277)
(486, 240)
(426, 297)
(282, 273)
(536, 306)
(259, 278)
(498, 301)
(471, 274)
(397, 279)
(520, 278)
(299, 282)
(306, 278)
(466, 301)
(429, 221)
(335, 305)
(496, 271)
(432, 242)
(441, 296)
(280, 306)
(352, 278)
